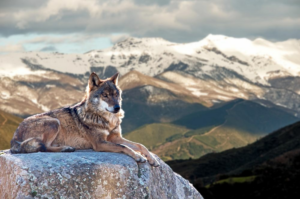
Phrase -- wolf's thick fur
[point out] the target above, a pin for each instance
(93, 123)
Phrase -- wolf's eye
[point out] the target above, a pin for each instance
(104, 95)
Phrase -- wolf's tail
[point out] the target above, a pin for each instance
(31, 145)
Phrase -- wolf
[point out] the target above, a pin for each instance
(94, 123)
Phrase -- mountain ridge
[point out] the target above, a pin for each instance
(267, 168)
(218, 43)
(234, 161)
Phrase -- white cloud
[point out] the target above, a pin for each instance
(53, 9)
(174, 20)
(117, 38)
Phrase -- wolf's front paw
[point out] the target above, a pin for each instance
(68, 149)
(153, 161)
(155, 164)
(140, 158)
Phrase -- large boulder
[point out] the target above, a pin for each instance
(88, 174)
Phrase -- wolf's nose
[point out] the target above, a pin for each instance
(116, 108)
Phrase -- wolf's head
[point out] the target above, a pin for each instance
(103, 95)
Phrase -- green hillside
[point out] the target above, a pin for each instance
(154, 135)
(233, 125)
(237, 160)
(160, 138)
(8, 125)
(170, 142)
(267, 168)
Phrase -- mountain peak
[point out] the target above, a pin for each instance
(213, 37)
(147, 41)
(263, 42)
(225, 39)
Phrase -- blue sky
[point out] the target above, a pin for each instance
(56, 42)
(79, 26)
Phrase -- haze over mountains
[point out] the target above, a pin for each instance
(218, 93)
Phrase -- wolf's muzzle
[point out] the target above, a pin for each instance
(117, 108)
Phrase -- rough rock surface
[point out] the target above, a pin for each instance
(88, 174)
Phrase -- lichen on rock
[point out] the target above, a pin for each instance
(88, 174)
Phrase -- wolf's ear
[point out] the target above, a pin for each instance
(115, 78)
(94, 80)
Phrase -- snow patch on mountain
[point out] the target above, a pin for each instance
(5, 95)
(44, 108)
(254, 60)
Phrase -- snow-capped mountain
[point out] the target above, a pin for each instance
(255, 60)
(210, 71)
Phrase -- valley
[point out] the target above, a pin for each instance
(269, 167)
(232, 125)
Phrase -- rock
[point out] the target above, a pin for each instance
(88, 174)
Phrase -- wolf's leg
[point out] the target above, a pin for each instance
(100, 144)
(51, 132)
(137, 147)
(30, 145)
(118, 148)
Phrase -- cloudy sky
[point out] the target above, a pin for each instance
(77, 26)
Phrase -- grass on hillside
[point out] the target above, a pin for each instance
(8, 124)
(182, 149)
(153, 135)
(171, 141)
(199, 131)
(208, 140)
